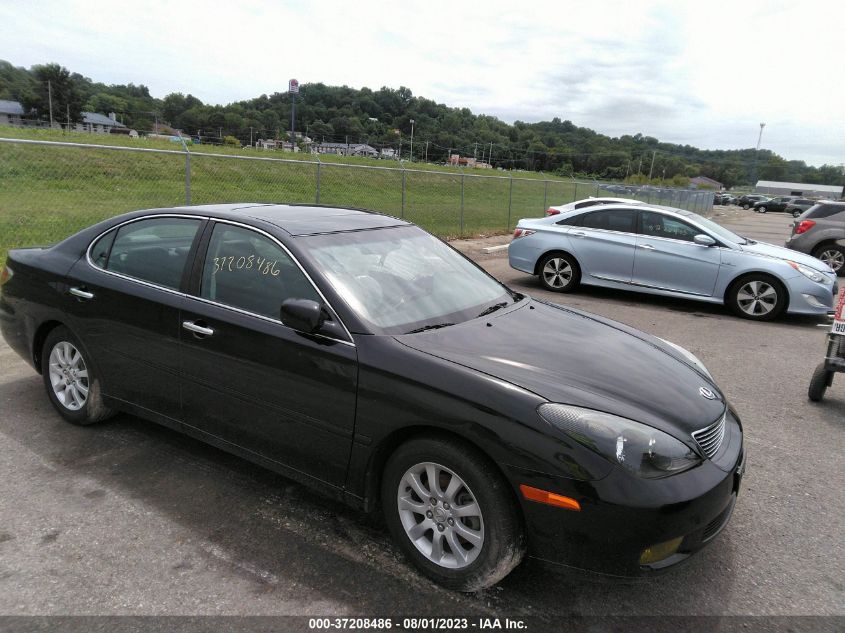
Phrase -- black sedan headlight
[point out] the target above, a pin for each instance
(643, 450)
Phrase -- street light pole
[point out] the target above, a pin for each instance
(412, 140)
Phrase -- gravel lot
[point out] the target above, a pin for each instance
(131, 518)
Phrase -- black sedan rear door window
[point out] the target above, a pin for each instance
(247, 270)
(154, 250)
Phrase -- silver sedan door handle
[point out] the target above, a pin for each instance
(82, 294)
(579, 233)
(648, 247)
(197, 329)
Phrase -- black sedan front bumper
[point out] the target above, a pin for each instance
(621, 516)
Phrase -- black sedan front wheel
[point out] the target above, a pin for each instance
(452, 513)
(761, 209)
(559, 272)
(72, 386)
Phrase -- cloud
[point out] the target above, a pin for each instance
(678, 71)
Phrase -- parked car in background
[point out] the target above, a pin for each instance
(587, 202)
(820, 231)
(797, 206)
(777, 203)
(671, 252)
(747, 201)
(728, 198)
(362, 356)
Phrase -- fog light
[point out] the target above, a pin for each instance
(814, 301)
(661, 551)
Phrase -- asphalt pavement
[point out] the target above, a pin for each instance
(130, 518)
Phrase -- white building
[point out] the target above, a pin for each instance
(11, 113)
(99, 123)
(802, 189)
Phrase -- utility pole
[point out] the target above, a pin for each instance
(627, 169)
(490, 155)
(640, 168)
(651, 170)
(412, 140)
(475, 152)
(250, 136)
(426, 151)
(50, 100)
(756, 157)
(67, 105)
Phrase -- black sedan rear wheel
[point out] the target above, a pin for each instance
(70, 380)
(452, 513)
(762, 209)
(796, 213)
(559, 272)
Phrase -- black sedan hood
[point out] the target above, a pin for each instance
(577, 358)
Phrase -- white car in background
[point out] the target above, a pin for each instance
(588, 202)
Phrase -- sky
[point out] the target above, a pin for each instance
(704, 74)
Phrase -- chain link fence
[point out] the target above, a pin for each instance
(49, 190)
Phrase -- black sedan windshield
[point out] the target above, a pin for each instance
(400, 280)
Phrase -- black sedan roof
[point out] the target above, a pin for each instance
(298, 219)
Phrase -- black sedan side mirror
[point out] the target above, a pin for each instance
(303, 315)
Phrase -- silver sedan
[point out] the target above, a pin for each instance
(670, 252)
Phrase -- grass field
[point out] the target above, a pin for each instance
(48, 192)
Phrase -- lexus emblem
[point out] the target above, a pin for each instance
(706, 393)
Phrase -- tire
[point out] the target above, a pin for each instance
(833, 256)
(563, 269)
(761, 209)
(497, 525)
(797, 213)
(70, 379)
(821, 380)
(757, 297)
(746, 207)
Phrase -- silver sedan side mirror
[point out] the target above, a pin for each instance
(704, 240)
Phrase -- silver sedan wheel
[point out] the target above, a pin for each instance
(557, 272)
(757, 298)
(440, 515)
(833, 258)
(68, 376)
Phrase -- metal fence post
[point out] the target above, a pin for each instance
(463, 175)
(545, 195)
(403, 190)
(188, 178)
(319, 168)
(510, 202)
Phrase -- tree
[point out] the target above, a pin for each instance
(53, 83)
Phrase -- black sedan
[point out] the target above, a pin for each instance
(358, 354)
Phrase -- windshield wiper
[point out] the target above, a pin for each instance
(493, 308)
(433, 326)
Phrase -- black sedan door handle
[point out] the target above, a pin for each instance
(81, 293)
(197, 329)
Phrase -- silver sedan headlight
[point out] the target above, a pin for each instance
(811, 274)
(642, 450)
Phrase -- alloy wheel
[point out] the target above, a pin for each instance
(757, 298)
(440, 515)
(557, 273)
(68, 376)
(833, 258)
